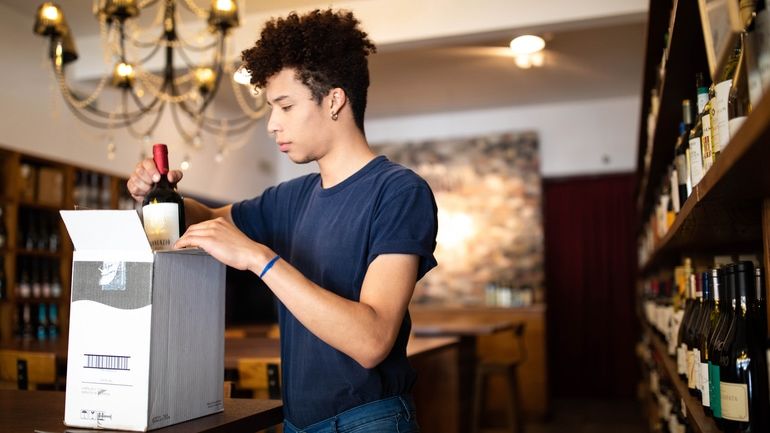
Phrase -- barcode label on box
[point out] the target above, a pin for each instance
(107, 362)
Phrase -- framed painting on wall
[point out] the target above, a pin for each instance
(721, 24)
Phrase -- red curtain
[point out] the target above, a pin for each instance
(590, 262)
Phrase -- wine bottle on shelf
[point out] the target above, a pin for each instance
(23, 287)
(709, 135)
(42, 322)
(693, 356)
(720, 309)
(35, 281)
(723, 340)
(736, 385)
(681, 149)
(45, 280)
(711, 317)
(3, 231)
(738, 105)
(53, 321)
(26, 326)
(756, 319)
(55, 282)
(696, 132)
(676, 202)
(3, 283)
(686, 318)
(105, 194)
(53, 236)
(93, 191)
(721, 131)
(163, 207)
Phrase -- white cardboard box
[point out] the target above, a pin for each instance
(146, 333)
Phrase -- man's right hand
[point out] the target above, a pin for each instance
(144, 175)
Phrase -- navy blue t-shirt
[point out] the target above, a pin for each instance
(332, 236)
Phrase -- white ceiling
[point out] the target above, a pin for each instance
(584, 60)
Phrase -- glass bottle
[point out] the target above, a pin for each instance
(163, 207)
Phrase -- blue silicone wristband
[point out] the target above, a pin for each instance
(269, 265)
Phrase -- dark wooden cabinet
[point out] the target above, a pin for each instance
(728, 212)
(37, 256)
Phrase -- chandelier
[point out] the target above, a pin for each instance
(184, 86)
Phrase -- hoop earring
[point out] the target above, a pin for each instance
(335, 116)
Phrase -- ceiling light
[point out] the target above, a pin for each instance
(527, 44)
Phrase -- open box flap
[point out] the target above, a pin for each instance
(106, 230)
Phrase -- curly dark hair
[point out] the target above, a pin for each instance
(327, 49)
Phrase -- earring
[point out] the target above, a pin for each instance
(335, 116)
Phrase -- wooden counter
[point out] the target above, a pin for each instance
(533, 373)
(28, 411)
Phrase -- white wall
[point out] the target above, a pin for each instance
(576, 138)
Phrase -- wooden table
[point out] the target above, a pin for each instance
(43, 411)
(533, 372)
(435, 359)
(467, 331)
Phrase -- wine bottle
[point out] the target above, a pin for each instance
(696, 132)
(42, 322)
(3, 285)
(738, 105)
(681, 150)
(736, 383)
(682, 348)
(702, 340)
(53, 321)
(700, 314)
(708, 141)
(756, 319)
(717, 285)
(3, 231)
(23, 287)
(722, 93)
(163, 207)
(751, 51)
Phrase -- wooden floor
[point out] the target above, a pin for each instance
(592, 416)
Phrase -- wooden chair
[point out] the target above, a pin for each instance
(508, 368)
(261, 376)
(27, 370)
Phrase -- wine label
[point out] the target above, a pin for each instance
(723, 129)
(715, 391)
(735, 124)
(696, 161)
(681, 359)
(694, 376)
(735, 401)
(706, 143)
(161, 223)
(704, 384)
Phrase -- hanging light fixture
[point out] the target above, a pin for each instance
(528, 51)
(185, 87)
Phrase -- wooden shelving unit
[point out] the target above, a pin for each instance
(700, 422)
(728, 212)
(19, 203)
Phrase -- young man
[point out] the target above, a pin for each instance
(341, 249)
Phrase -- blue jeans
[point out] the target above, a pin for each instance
(394, 414)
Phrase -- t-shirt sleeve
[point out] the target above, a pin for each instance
(251, 216)
(407, 223)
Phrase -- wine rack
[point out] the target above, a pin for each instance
(36, 257)
(728, 211)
